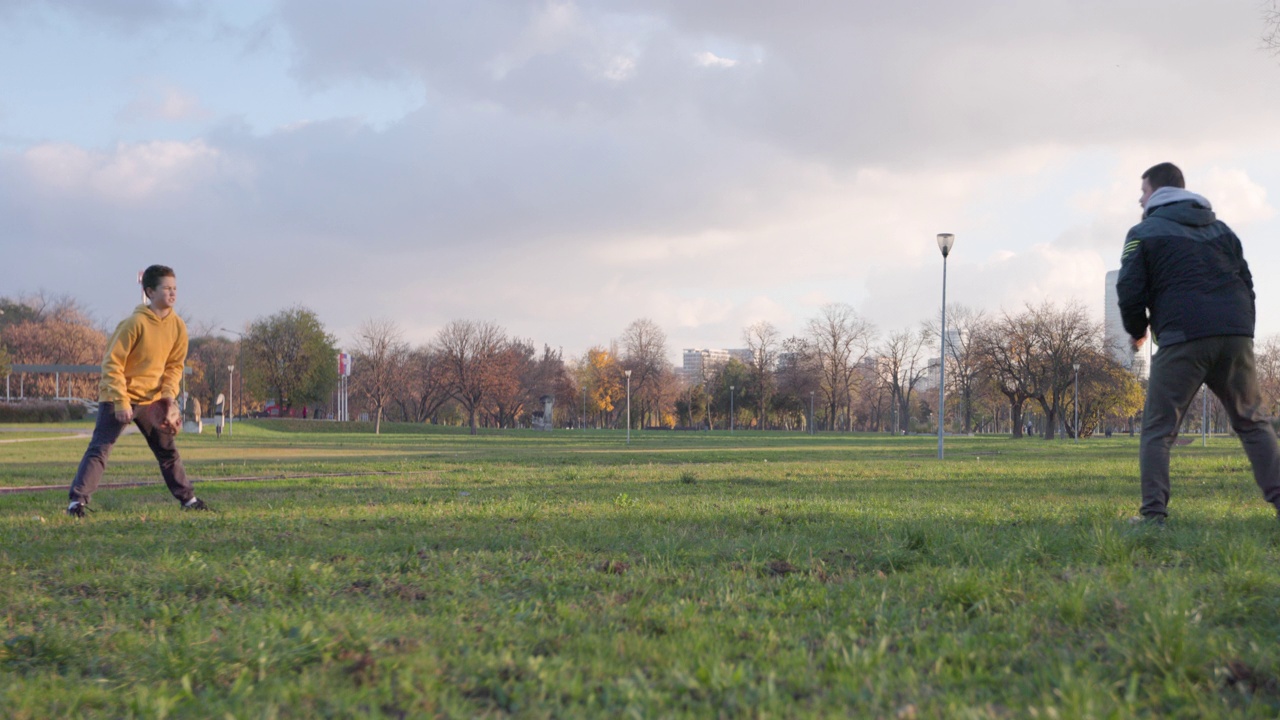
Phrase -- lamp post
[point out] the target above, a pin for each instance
(945, 241)
(628, 373)
(584, 406)
(811, 418)
(1076, 404)
(231, 409)
(231, 413)
(1204, 417)
(730, 408)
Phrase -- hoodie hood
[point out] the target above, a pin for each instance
(1180, 206)
(150, 315)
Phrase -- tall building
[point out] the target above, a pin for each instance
(699, 364)
(1114, 336)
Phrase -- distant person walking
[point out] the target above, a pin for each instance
(1183, 276)
(141, 373)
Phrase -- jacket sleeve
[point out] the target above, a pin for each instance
(1131, 286)
(171, 384)
(114, 388)
(1244, 268)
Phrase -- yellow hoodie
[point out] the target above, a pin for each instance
(144, 359)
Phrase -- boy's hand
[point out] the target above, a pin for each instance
(166, 415)
(124, 415)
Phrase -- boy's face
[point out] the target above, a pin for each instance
(164, 295)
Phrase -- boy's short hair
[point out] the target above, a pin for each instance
(151, 276)
(1164, 175)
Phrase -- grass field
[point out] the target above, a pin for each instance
(427, 573)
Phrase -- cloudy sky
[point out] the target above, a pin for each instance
(563, 168)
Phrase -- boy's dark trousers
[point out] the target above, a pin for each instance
(1226, 364)
(105, 434)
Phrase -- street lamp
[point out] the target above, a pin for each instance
(231, 409)
(584, 406)
(628, 373)
(811, 418)
(231, 417)
(1076, 367)
(945, 241)
(730, 408)
(1204, 416)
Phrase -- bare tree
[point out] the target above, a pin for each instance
(901, 366)
(799, 376)
(762, 340)
(470, 352)
(512, 389)
(1064, 336)
(965, 366)
(840, 340)
(644, 353)
(209, 356)
(379, 361)
(54, 332)
(1268, 363)
(1271, 26)
(425, 388)
(1007, 349)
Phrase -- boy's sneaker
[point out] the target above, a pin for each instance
(78, 509)
(195, 504)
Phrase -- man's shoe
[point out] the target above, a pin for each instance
(196, 504)
(78, 509)
(1147, 520)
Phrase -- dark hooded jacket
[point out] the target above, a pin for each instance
(1183, 272)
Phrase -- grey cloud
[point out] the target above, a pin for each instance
(847, 82)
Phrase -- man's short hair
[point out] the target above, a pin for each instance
(1164, 175)
(151, 276)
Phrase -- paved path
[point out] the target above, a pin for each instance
(79, 434)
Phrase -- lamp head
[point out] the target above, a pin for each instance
(945, 241)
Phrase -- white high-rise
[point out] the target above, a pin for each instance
(699, 364)
(1114, 336)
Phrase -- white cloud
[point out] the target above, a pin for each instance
(710, 59)
(1236, 198)
(129, 174)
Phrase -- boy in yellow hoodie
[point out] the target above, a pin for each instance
(141, 373)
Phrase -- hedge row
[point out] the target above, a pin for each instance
(41, 411)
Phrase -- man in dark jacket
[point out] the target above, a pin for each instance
(1183, 274)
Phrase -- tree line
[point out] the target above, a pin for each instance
(1041, 368)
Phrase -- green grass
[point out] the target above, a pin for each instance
(690, 574)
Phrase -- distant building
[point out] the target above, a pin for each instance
(1114, 337)
(698, 365)
(933, 373)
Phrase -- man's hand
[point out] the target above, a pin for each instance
(124, 415)
(1136, 343)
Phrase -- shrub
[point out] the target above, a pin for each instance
(41, 411)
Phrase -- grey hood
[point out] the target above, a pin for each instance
(1167, 195)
